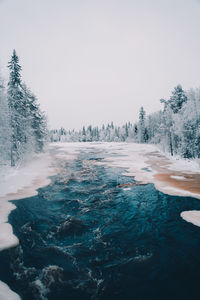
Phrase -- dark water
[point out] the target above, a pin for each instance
(85, 237)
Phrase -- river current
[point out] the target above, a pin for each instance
(94, 234)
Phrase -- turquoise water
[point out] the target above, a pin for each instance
(86, 237)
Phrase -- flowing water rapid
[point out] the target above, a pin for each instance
(93, 234)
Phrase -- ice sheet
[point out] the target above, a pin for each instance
(191, 216)
(6, 293)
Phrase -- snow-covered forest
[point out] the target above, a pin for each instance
(23, 129)
(176, 128)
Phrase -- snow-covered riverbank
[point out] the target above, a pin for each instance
(6, 293)
(18, 183)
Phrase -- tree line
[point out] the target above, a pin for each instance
(175, 128)
(23, 126)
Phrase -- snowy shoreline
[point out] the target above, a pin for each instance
(19, 183)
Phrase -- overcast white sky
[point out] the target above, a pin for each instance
(92, 61)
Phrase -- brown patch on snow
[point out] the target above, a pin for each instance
(191, 183)
(164, 177)
(131, 184)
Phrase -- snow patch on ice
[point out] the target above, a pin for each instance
(6, 293)
(7, 238)
(18, 183)
(178, 177)
(191, 216)
(169, 190)
(185, 165)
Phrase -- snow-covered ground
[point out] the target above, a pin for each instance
(191, 216)
(6, 293)
(143, 162)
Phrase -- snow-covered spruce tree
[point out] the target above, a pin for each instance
(5, 132)
(35, 121)
(188, 125)
(89, 133)
(135, 132)
(27, 122)
(96, 133)
(126, 131)
(177, 99)
(15, 102)
(168, 130)
(171, 115)
(142, 130)
(154, 125)
(62, 134)
(83, 134)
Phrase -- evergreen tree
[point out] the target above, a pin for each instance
(4, 126)
(126, 131)
(177, 99)
(27, 122)
(84, 134)
(141, 127)
(35, 120)
(15, 102)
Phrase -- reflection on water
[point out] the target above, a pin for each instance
(85, 236)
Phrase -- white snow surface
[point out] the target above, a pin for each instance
(184, 165)
(178, 177)
(6, 293)
(13, 180)
(191, 216)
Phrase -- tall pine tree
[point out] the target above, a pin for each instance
(15, 102)
(27, 122)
